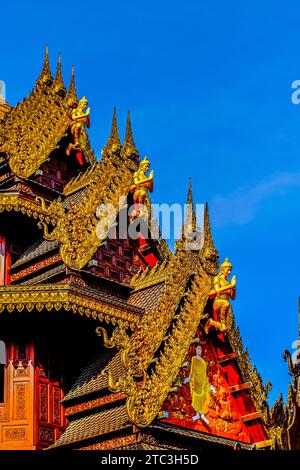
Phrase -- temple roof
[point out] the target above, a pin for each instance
(147, 298)
(92, 379)
(39, 248)
(92, 425)
(34, 127)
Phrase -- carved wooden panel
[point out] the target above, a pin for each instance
(46, 435)
(20, 389)
(14, 434)
(43, 402)
(56, 406)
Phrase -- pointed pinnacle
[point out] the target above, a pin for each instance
(71, 95)
(58, 81)
(190, 215)
(129, 145)
(190, 204)
(113, 143)
(114, 133)
(45, 74)
(208, 239)
(190, 193)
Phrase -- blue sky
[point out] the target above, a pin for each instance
(209, 89)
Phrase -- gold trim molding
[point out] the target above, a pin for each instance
(57, 297)
(34, 208)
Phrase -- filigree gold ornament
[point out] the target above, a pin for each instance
(35, 208)
(144, 405)
(34, 127)
(209, 255)
(56, 297)
(107, 184)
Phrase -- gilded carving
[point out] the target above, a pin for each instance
(83, 229)
(34, 127)
(80, 118)
(35, 209)
(141, 185)
(223, 291)
(146, 403)
(153, 326)
(209, 255)
(62, 296)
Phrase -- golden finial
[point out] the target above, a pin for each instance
(129, 149)
(191, 207)
(45, 75)
(145, 161)
(83, 101)
(113, 144)
(71, 96)
(226, 264)
(58, 84)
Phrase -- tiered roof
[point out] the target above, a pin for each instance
(150, 325)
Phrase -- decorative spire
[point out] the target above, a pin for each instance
(71, 95)
(58, 83)
(190, 232)
(45, 75)
(113, 144)
(190, 214)
(208, 239)
(209, 254)
(129, 149)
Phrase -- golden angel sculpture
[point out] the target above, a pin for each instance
(141, 185)
(223, 291)
(80, 119)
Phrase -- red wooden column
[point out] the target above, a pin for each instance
(5, 261)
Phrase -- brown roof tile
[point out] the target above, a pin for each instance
(147, 298)
(94, 425)
(91, 380)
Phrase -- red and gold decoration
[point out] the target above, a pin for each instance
(109, 343)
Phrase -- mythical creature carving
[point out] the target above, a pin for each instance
(118, 339)
(294, 366)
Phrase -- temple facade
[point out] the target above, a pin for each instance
(110, 342)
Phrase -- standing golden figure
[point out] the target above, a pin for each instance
(80, 119)
(141, 185)
(223, 291)
(199, 385)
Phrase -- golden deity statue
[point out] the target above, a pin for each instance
(141, 185)
(223, 291)
(80, 119)
(199, 385)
